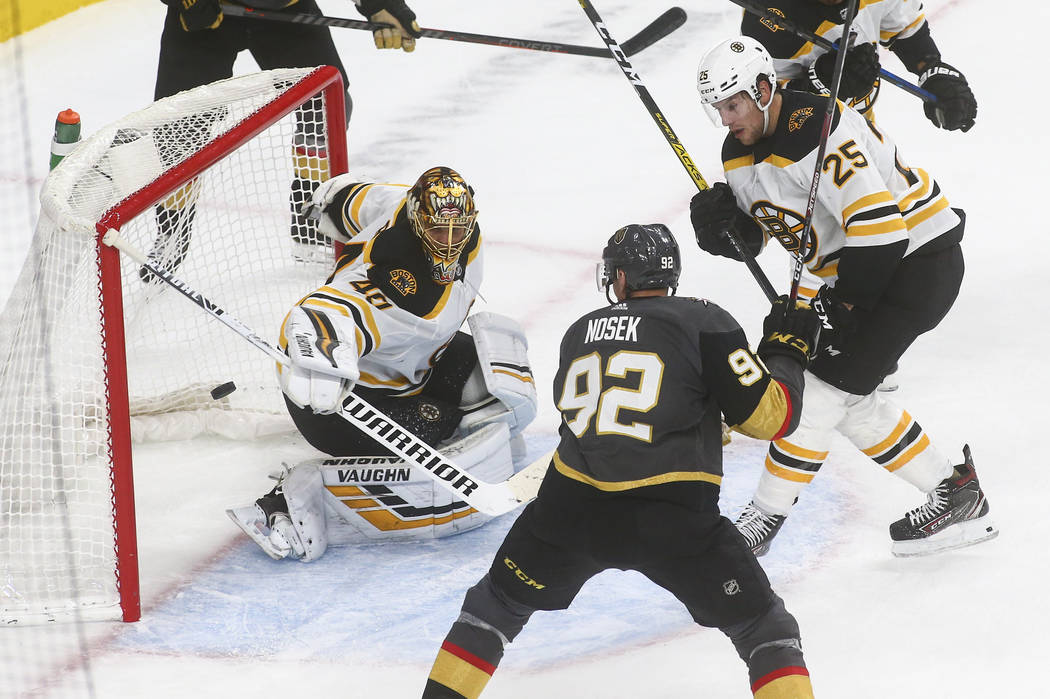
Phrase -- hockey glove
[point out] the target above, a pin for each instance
(326, 206)
(200, 14)
(713, 211)
(404, 30)
(790, 332)
(837, 319)
(956, 107)
(858, 72)
(323, 366)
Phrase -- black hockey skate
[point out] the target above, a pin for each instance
(758, 528)
(955, 515)
(268, 524)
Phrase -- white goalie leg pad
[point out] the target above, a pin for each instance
(503, 364)
(304, 492)
(372, 499)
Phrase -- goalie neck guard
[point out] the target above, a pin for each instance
(441, 208)
(647, 254)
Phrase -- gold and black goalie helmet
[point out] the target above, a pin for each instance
(441, 209)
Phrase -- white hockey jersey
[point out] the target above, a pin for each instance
(872, 208)
(383, 294)
(877, 21)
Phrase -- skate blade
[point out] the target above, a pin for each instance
(957, 536)
(247, 519)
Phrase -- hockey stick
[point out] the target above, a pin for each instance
(657, 29)
(672, 140)
(490, 498)
(814, 38)
(822, 146)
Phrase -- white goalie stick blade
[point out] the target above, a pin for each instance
(252, 522)
(491, 498)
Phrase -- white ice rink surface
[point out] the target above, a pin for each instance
(562, 153)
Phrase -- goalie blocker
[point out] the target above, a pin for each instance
(369, 499)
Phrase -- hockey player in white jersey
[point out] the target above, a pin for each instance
(885, 243)
(386, 325)
(899, 25)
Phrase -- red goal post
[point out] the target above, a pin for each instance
(96, 354)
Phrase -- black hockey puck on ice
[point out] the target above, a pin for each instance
(223, 390)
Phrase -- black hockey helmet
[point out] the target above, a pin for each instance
(647, 254)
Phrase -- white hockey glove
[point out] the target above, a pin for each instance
(323, 362)
(324, 208)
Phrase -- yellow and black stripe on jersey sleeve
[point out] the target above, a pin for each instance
(329, 299)
(924, 200)
(350, 210)
(874, 219)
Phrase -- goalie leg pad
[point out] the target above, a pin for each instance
(503, 363)
(382, 499)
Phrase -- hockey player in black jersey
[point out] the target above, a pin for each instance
(885, 243)
(642, 388)
(199, 45)
(899, 25)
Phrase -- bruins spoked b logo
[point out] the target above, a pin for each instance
(785, 225)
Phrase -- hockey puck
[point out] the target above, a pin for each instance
(223, 390)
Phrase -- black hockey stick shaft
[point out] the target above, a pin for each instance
(822, 146)
(814, 38)
(657, 29)
(672, 139)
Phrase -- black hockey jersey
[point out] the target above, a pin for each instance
(642, 386)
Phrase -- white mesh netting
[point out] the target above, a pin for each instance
(231, 233)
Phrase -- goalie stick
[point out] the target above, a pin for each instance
(657, 29)
(490, 498)
(632, 76)
(785, 23)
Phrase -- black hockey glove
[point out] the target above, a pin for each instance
(195, 15)
(393, 12)
(858, 73)
(790, 332)
(838, 320)
(956, 107)
(713, 211)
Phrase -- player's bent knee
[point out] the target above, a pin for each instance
(488, 609)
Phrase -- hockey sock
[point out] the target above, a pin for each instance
(465, 663)
(788, 469)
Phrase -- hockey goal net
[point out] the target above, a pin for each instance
(95, 351)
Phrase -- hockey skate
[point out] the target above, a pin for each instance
(267, 524)
(955, 515)
(758, 528)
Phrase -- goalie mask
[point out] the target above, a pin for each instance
(647, 254)
(441, 208)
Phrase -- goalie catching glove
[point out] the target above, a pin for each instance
(323, 366)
